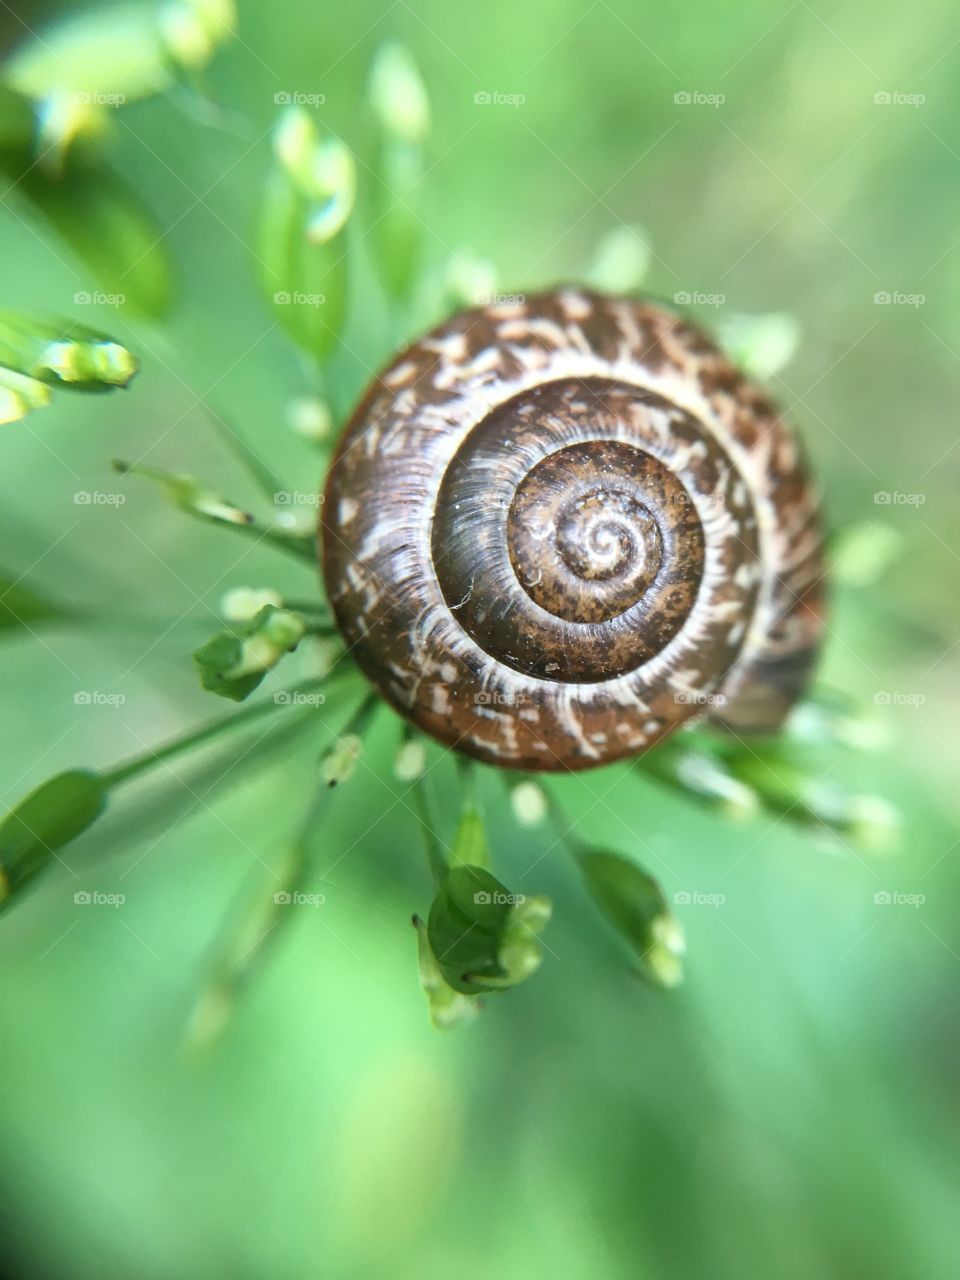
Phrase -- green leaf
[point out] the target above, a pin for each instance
(634, 904)
(448, 1008)
(16, 120)
(20, 605)
(50, 817)
(234, 663)
(483, 937)
(119, 53)
(309, 198)
(101, 52)
(104, 222)
(63, 353)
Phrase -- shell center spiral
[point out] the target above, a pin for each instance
(582, 542)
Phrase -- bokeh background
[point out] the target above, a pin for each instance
(792, 1109)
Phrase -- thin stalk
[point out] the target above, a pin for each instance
(207, 733)
(266, 480)
(436, 858)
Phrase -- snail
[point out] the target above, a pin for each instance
(556, 529)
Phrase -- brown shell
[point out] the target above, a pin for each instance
(556, 529)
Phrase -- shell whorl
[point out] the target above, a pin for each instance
(556, 529)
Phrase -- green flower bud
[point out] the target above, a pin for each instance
(310, 417)
(244, 603)
(529, 804)
(411, 761)
(448, 1008)
(761, 345)
(339, 764)
(622, 260)
(234, 663)
(483, 937)
(63, 353)
(187, 493)
(18, 395)
(634, 904)
(398, 94)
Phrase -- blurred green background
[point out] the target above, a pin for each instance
(792, 1110)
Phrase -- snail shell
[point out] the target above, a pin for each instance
(556, 529)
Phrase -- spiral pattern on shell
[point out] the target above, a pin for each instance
(558, 528)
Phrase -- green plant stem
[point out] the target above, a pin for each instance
(436, 857)
(266, 480)
(188, 742)
(302, 547)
